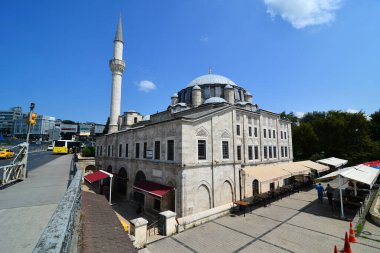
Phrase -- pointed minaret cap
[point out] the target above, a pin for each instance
(119, 32)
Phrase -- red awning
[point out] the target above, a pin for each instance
(96, 176)
(373, 163)
(157, 190)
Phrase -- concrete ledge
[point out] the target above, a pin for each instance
(374, 211)
(203, 217)
(58, 233)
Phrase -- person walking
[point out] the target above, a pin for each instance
(329, 191)
(320, 190)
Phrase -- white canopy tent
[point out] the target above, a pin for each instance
(359, 173)
(333, 161)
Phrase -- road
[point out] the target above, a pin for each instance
(35, 159)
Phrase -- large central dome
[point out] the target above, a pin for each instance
(211, 79)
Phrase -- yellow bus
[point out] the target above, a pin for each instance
(65, 146)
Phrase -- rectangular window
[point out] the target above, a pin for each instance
(250, 153)
(286, 151)
(126, 150)
(112, 151)
(285, 135)
(250, 131)
(137, 150)
(255, 131)
(282, 151)
(265, 133)
(256, 152)
(275, 152)
(238, 152)
(170, 150)
(269, 133)
(265, 152)
(157, 150)
(201, 149)
(120, 149)
(270, 152)
(225, 150)
(281, 135)
(101, 150)
(238, 130)
(144, 155)
(274, 134)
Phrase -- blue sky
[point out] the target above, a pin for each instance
(292, 55)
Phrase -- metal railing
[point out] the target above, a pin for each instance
(15, 170)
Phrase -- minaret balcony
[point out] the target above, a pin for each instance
(117, 65)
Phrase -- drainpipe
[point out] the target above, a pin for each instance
(233, 153)
(212, 165)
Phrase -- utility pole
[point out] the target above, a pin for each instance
(32, 105)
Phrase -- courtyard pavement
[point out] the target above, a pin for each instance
(294, 224)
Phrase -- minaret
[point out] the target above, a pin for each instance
(117, 66)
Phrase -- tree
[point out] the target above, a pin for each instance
(105, 131)
(68, 121)
(375, 125)
(305, 141)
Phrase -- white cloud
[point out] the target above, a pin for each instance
(352, 110)
(146, 86)
(299, 114)
(303, 13)
(204, 39)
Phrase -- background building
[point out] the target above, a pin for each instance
(7, 119)
(44, 126)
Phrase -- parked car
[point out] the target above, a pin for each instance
(6, 153)
(50, 148)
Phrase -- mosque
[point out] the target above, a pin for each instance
(191, 157)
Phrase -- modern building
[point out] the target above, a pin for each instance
(190, 157)
(41, 131)
(7, 118)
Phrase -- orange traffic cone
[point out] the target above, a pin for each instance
(352, 237)
(335, 249)
(347, 247)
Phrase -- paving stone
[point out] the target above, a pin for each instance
(101, 229)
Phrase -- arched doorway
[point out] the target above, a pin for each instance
(140, 176)
(226, 193)
(202, 199)
(122, 179)
(138, 196)
(255, 187)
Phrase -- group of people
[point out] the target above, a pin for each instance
(329, 192)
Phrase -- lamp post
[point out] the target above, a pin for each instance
(32, 105)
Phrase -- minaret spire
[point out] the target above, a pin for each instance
(119, 31)
(117, 66)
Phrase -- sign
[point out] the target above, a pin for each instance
(149, 154)
(69, 128)
(84, 130)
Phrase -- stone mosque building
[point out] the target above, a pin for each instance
(192, 156)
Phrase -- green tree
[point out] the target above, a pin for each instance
(375, 125)
(305, 141)
(107, 126)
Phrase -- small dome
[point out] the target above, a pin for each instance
(228, 87)
(175, 95)
(214, 100)
(248, 94)
(131, 111)
(196, 87)
(211, 79)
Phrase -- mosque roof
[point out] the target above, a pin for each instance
(214, 100)
(211, 79)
